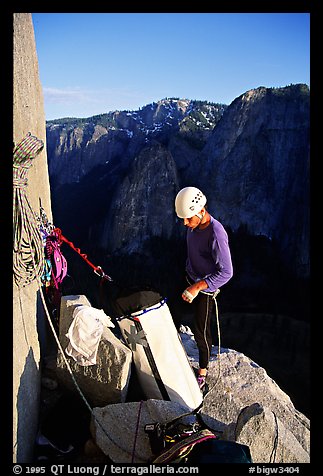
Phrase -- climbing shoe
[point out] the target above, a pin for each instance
(201, 381)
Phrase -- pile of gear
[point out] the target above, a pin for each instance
(186, 439)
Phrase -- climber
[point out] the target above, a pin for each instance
(208, 267)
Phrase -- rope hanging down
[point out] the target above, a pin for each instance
(28, 259)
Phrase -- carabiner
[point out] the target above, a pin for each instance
(102, 273)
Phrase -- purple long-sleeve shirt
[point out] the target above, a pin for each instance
(208, 255)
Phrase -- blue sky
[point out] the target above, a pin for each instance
(91, 63)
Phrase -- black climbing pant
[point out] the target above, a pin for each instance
(204, 306)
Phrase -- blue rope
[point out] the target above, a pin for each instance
(144, 311)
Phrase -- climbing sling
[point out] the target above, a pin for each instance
(55, 267)
(56, 257)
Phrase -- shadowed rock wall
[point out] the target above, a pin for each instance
(28, 318)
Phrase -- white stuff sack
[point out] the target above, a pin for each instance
(159, 356)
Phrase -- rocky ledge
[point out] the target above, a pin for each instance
(243, 403)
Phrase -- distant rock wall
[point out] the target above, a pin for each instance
(77, 146)
(250, 158)
(146, 191)
(28, 116)
(256, 169)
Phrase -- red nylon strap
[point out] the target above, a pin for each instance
(97, 269)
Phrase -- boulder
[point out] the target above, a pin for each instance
(108, 380)
(243, 404)
(236, 382)
(118, 430)
(268, 438)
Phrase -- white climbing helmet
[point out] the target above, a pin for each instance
(189, 201)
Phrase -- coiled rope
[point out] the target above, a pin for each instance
(28, 252)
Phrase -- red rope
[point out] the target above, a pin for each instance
(97, 269)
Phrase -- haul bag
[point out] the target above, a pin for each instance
(160, 359)
(135, 299)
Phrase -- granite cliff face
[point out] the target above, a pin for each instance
(128, 163)
(146, 191)
(256, 169)
(28, 116)
(113, 140)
